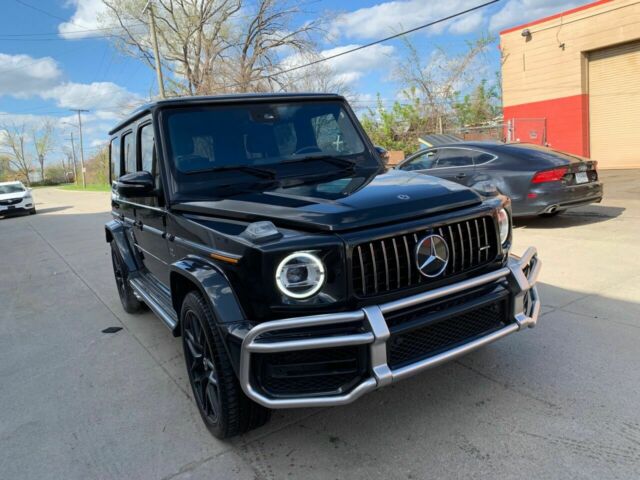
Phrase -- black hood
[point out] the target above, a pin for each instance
(384, 198)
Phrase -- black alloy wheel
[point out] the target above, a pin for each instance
(128, 299)
(201, 367)
(223, 406)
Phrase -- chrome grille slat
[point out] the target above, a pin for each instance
(395, 250)
(461, 247)
(486, 237)
(453, 248)
(364, 283)
(468, 227)
(373, 269)
(406, 247)
(386, 264)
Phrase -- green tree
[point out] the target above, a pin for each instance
(479, 107)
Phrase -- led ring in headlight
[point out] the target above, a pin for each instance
(504, 223)
(300, 275)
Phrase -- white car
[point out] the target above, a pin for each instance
(15, 198)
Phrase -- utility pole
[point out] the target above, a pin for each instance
(154, 41)
(75, 163)
(79, 112)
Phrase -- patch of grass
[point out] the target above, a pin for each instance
(90, 188)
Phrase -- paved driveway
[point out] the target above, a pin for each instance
(559, 401)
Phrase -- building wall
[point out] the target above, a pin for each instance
(545, 75)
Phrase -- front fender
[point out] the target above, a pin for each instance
(115, 232)
(213, 285)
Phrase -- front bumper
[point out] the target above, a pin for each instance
(520, 275)
(23, 206)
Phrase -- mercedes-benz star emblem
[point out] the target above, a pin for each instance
(432, 255)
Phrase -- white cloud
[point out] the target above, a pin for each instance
(91, 96)
(516, 12)
(23, 76)
(391, 17)
(86, 17)
(467, 24)
(349, 68)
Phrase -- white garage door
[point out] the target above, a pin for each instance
(614, 106)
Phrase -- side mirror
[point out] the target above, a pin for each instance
(136, 184)
(381, 150)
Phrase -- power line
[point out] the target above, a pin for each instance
(367, 45)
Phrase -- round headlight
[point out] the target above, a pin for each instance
(504, 222)
(300, 275)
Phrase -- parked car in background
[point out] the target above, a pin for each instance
(539, 180)
(16, 198)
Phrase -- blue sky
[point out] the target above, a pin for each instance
(46, 69)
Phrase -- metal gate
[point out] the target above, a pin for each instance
(527, 130)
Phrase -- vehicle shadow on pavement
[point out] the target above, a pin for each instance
(572, 217)
(555, 391)
(54, 209)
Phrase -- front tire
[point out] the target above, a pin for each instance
(223, 406)
(32, 211)
(129, 301)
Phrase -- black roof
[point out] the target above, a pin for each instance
(212, 99)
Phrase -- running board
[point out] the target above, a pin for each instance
(157, 299)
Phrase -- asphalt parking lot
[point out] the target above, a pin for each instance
(558, 401)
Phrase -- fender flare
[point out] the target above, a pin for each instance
(115, 233)
(212, 283)
(218, 293)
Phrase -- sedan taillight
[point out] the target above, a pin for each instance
(554, 175)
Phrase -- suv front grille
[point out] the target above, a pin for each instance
(412, 345)
(389, 264)
(10, 201)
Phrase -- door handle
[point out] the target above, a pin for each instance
(460, 176)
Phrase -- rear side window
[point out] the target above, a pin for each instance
(115, 158)
(129, 153)
(483, 158)
(454, 157)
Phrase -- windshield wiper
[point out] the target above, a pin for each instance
(338, 161)
(255, 171)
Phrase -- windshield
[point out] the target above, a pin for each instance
(260, 144)
(11, 188)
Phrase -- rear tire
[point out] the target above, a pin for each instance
(129, 301)
(223, 406)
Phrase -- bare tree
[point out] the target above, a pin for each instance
(13, 139)
(212, 46)
(433, 84)
(43, 143)
(315, 78)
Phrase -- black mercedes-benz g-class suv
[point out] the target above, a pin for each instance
(266, 232)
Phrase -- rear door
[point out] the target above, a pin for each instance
(455, 164)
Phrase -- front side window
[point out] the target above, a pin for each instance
(129, 153)
(454, 157)
(423, 161)
(146, 148)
